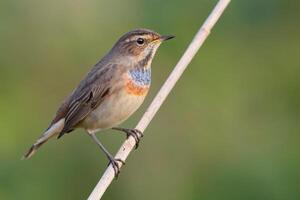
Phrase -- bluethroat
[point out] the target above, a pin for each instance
(112, 91)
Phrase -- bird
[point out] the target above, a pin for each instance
(110, 92)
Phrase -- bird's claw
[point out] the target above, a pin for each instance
(115, 165)
(136, 134)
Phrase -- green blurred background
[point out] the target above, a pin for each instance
(229, 129)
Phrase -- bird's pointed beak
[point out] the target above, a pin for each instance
(166, 37)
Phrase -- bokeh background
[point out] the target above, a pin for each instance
(229, 129)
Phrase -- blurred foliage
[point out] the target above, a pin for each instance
(229, 129)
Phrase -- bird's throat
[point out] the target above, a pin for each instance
(140, 76)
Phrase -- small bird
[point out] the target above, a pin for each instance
(111, 92)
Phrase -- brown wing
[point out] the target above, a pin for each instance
(87, 96)
(81, 107)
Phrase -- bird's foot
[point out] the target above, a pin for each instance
(135, 133)
(115, 165)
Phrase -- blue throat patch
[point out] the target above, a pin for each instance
(141, 77)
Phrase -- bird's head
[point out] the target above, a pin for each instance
(139, 45)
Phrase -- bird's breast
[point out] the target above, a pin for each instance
(121, 103)
(138, 81)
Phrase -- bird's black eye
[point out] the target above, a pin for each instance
(140, 41)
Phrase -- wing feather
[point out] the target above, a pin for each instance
(88, 95)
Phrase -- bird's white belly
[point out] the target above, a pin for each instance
(112, 111)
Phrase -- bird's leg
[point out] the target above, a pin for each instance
(113, 161)
(135, 133)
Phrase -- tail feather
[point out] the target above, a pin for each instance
(33, 149)
(52, 131)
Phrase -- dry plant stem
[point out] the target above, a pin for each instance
(192, 49)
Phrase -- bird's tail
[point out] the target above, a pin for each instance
(50, 132)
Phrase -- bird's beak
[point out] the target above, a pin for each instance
(166, 37)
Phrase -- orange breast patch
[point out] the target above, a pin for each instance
(134, 89)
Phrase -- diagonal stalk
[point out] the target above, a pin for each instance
(188, 55)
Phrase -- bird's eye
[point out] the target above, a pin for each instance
(140, 41)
